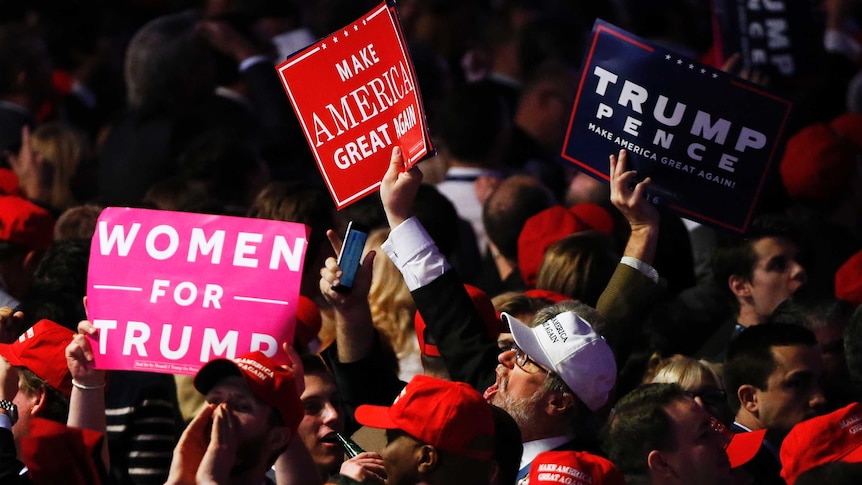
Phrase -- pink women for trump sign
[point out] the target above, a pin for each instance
(170, 291)
(356, 97)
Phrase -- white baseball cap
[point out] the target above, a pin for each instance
(569, 346)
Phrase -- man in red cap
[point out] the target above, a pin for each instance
(438, 432)
(252, 415)
(25, 231)
(833, 437)
(36, 380)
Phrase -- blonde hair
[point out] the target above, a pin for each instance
(392, 306)
(687, 372)
(62, 147)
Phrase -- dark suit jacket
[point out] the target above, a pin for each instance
(10, 465)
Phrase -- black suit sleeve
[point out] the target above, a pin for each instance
(455, 325)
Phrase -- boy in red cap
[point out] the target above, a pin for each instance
(252, 415)
(438, 432)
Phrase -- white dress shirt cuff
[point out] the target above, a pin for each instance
(414, 253)
(639, 265)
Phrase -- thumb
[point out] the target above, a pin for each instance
(363, 276)
(396, 164)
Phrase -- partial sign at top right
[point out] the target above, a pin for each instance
(779, 37)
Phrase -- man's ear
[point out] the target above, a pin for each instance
(279, 437)
(747, 395)
(560, 402)
(739, 286)
(427, 459)
(658, 465)
(39, 400)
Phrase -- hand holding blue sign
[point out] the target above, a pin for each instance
(630, 196)
(704, 137)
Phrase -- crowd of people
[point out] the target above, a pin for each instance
(513, 320)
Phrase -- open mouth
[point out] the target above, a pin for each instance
(330, 438)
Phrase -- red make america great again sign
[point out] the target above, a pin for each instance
(356, 96)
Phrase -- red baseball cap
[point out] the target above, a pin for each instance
(308, 321)
(451, 416)
(539, 232)
(594, 217)
(848, 282)
(573, 468)
(547, 295)
(42, 350)
(818, 162)
(836, 436)
(25, 223)
(269, 382)
(493, 323)
(9, 182)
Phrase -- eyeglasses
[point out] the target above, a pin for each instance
(526, 363)
(710, 397)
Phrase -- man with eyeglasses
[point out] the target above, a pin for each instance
(567, 368)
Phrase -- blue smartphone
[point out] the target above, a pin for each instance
(351, 256)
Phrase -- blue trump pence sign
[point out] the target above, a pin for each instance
(706, 138)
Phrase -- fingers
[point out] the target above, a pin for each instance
(85, 327)
(25, 136)
(330, 273)
(396, 163)
(223, 430)
(334, 241)
(731, 62)
(200, 422)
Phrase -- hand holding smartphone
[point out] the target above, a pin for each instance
(351, 256)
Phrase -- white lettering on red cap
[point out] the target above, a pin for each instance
(256, 368)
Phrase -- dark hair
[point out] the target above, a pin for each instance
(835, 473)
(853, 347)
(507, 209)
(813, 314)
(57, 407)
(749, 355)
(640, 424)
(735, 257)
(314, 364)
(59, 284)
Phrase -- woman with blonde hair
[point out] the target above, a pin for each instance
(392, 308)
(47, 163)
(700, 380)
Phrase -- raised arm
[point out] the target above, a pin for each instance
(450, 317)
(354, 331)
(634, 286)
(87, 403)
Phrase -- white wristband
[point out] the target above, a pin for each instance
(87, 388)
